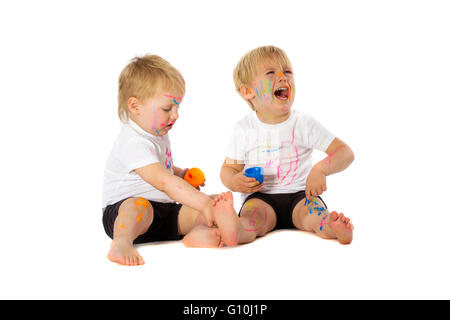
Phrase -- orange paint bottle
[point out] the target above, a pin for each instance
(195, 177)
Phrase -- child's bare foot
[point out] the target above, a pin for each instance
(342, 227)
(124, 253)
(203, 237)
(226, 218)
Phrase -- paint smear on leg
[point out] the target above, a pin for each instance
(323, 222)
(252, 222)
(200, 220)
(144, 203)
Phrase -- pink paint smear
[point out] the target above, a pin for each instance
(177, 98)
(265, 220)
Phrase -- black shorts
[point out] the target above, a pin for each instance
(283, 204)
(164, 225)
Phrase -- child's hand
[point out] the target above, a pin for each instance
(243, 184)
(202, 185)
(316, 183)
(182, 173)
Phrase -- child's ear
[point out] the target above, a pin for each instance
(133, 105)
(246, 92)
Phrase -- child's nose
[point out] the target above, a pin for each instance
(174, 115)
(281, 76)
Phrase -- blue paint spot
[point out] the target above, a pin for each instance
(272, 150)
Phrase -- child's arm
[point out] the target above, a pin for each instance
(340, 156)
(179, 172)
(177, 189)
(234, 178)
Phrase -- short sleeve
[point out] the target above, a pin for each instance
(235, 148)
(314, 134)
(136, 153)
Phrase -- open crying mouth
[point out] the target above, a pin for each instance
(282, 93)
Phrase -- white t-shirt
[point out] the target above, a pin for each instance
(134, 148)
(284, 150)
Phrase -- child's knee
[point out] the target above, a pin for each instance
(307, 210)
(140, 208)
(252, 208)
(258, 217)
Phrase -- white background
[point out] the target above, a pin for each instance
(375, 73)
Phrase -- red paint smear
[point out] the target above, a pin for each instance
(331, 155)
(177, 98)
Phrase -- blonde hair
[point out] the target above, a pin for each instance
(143, 77)
(245, 70)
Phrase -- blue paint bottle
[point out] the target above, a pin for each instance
(255, 172)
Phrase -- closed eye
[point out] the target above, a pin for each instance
(166, 108)
(170, 108)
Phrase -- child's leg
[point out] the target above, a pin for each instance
(202, 236)
(192, 224)
(134, 218)
(256, 219)
(226, 218)
(313, 216)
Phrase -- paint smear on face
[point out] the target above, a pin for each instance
(154, 120)
(267, 89)
(166, 95)
(174, 99)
